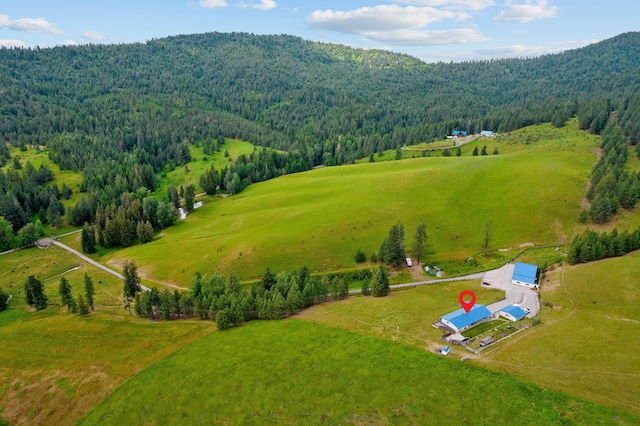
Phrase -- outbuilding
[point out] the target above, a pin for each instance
(460, 320)
(525, 274)
(513, 313)
(459, 133)
(487, 341)
(486, 133)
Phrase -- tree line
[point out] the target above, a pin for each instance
(591, 245)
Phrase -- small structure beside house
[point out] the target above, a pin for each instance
(459, 133)
(487, 133)
(445, 350)
(460, 320)
(409, 263)
(513, 312)
(486, 341)
(526, 275)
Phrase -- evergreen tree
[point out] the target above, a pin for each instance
(34, 291)
(222, 320)
(268, 279)
(484, 150)
(4, 297)
(395, 254)
(458, 152)
(83, 307)
(475, 151)
(209, 181)
(131, 282)
(89, 290)
(419, 240)
(64, 290)
(6, 235)
(380, 282)
(144, 230)
(88, 239)
(189, 197)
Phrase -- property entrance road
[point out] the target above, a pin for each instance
(49, 241)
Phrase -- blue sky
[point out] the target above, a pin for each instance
(432, 30)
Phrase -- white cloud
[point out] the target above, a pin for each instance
(427, 38)
(395, 24)
(69, 43)
(377, 18)
(29, 24)
(13, 43)
(513, 51)
(265, 5)
(210, 4)
(92, 35)
(453, 4)
(529, 11)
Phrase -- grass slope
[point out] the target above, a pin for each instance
(55, 365)
(587, 343)
(295, 372)
(322, 217)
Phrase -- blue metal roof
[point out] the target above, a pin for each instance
(461, 319)
(525, 272)
(514, 311)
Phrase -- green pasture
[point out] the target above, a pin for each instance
(322, 217)
(182, 176)
(56, 365)
(405, 316)
(587, 343)
(295, 372)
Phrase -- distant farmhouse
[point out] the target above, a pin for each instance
(525, 274)
(460, 320)
(459, 133)
(513, 313)
(486, 133)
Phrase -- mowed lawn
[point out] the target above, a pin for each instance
(322, 217)
(587, 344)
(55, 365)
(295, 372)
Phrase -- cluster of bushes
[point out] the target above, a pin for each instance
(592, 245)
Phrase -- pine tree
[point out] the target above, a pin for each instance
(380, 282)
(419, 240)
(222, 320)
(209, 181)
(144, 230)
(131, 282)
(189, 197)
(89, 290)
(64, 290)
(83, 307)
(395, 253)
(88, 239)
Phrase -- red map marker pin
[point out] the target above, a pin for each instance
(467, 305)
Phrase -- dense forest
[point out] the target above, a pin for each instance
(124, 113)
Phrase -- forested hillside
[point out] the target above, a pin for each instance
(124, 113)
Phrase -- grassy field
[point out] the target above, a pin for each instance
(182, 176)
(322, 217)
(407, 315)
(294, 372)
(587, 343)
(56, 365)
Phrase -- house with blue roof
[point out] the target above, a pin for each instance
(513, 313)
(526, 275)
(460, 320)
(459, 133)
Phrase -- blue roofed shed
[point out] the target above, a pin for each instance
(525, 274)
(513, 313)
(459, 133)
(460, 320)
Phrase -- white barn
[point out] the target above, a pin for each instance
(525, 274)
